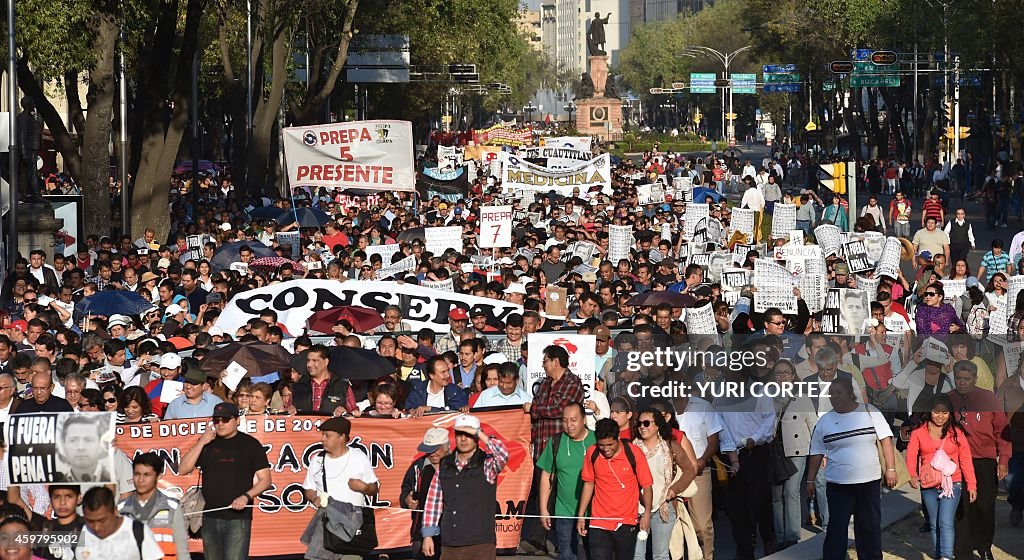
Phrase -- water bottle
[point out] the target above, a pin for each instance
(812, 513)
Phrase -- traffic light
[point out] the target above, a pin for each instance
(462, 68)
(884, 58)
(947, 106)
(841, 67)
(949, 132)
(965, 132)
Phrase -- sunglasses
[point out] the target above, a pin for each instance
(646, 423)
(930, 294)
(110, 400)
(220, 420)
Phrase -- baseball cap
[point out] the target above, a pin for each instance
(468, 424)
(433, 440)
(515, 288)
(477, 312)
(173, 309)
(163, 263)
(458, 314)
(118, 319)
(225, 410)
(496, 358)
(21, 325)
(842, 268)
(195, 376)
(338, 425)
(926, 255)
(602, 333)
(214, 297)
(170, 361)
(972, 282)
(216, 331)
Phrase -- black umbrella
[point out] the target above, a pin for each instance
(412, 234)
(228, 253)
(258, 359)
(307, 217)
(350, 363)
(266, 213)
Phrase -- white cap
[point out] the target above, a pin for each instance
(170, 361)
(525, 280)
(163, 263)
(506, 261)
(118, 319)
(467, 423)
(226, 226)
(515, 288)
(215, 331)
(173, 309)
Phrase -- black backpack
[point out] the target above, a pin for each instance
(629, 457)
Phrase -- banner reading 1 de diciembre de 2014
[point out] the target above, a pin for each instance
(374, 155)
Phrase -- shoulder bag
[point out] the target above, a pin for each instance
(365, 538)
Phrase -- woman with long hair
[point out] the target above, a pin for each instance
(935, 318)
(939, 461)
(134, 407)
(797, 418)
(673, 471)
(622, 411)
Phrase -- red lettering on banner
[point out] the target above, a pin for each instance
(495, 216)
(345, 136)
(346, 173)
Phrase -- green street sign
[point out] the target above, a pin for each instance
(872, 68)
(874, 80)
(702, 82)
(744, 83)
(782, 78)
(828, 86)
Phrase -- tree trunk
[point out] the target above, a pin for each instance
(95, 175)
(260, 158)
(313, 105)
(160, 141)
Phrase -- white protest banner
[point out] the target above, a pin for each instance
(233, 375)
(783, 220)
(170, 390)
(585, 250)
(812, 283)
(440, 239)
(406, 265)
(385, 252)
(449, 156)
(701, 320)
(870, 285)
(60, 448)
(592, 176)
(739, 253)
(578, 143)
(774, 287)
(831, 319)
(557, 158)
(684, 188)
(495, 226)
(857, 256)
(743, 221)
(653, 193)
(1011, 357)
(582, 350)
(666, 231)
(1000, 316)
(829, 238)
(874, 242)
(719, 261)
(889, 260)
(374, 155)
(951, 289)
(796, 236)
(736, 278)
(446, 285)
(854, 310)
(1014, 285)
(620, 239)
(695, 212)
(292, 239)
(296, 300)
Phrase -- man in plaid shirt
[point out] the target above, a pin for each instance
(460, 501)
(559, 388)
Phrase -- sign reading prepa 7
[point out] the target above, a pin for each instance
(374, 155)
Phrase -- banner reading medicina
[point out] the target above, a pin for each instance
(282, 512)
(592, 176)
(374, 155)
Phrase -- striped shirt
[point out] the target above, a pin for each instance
(993, 263)
(932, 209)
(848, 441)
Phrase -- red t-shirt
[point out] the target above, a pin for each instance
(616, 494)
(337, 239)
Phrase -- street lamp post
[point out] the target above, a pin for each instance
(529, 109)
(14, 160)
(726, 60)
(571, 109)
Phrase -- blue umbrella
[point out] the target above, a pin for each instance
(111, 302)
(228, 253)
(699, 193)
(266, 213)
(307, 217)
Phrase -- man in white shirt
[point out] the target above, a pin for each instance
(350, 476)
(702, 426)
(748, 171)
(110, 536)
(8, 386)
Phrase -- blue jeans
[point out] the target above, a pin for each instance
(942, 512)
(787, 507)
(226, 539)
(819, 490)
(660, 534)
(567, 537)
(1015, 481)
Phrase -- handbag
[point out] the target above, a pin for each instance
(928, 475)
(365, 538)
(782, 467)
(193, 503)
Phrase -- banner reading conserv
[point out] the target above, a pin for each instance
(295, 301)
(375, 155)
(282, 513)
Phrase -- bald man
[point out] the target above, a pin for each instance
(42, 397)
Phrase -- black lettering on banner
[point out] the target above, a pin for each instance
(245, 304)
(512, 509)
(325, 299)
(311, 451)
(414, 308)
(32, 449)
(298, 296)
(376, 300)
(171, 458)
(288, 459)
(292, 499)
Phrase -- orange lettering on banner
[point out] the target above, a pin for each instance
(293, 441)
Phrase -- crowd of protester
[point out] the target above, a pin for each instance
(616, 476)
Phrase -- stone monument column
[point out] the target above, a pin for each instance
(599, 73)
(36, 227)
